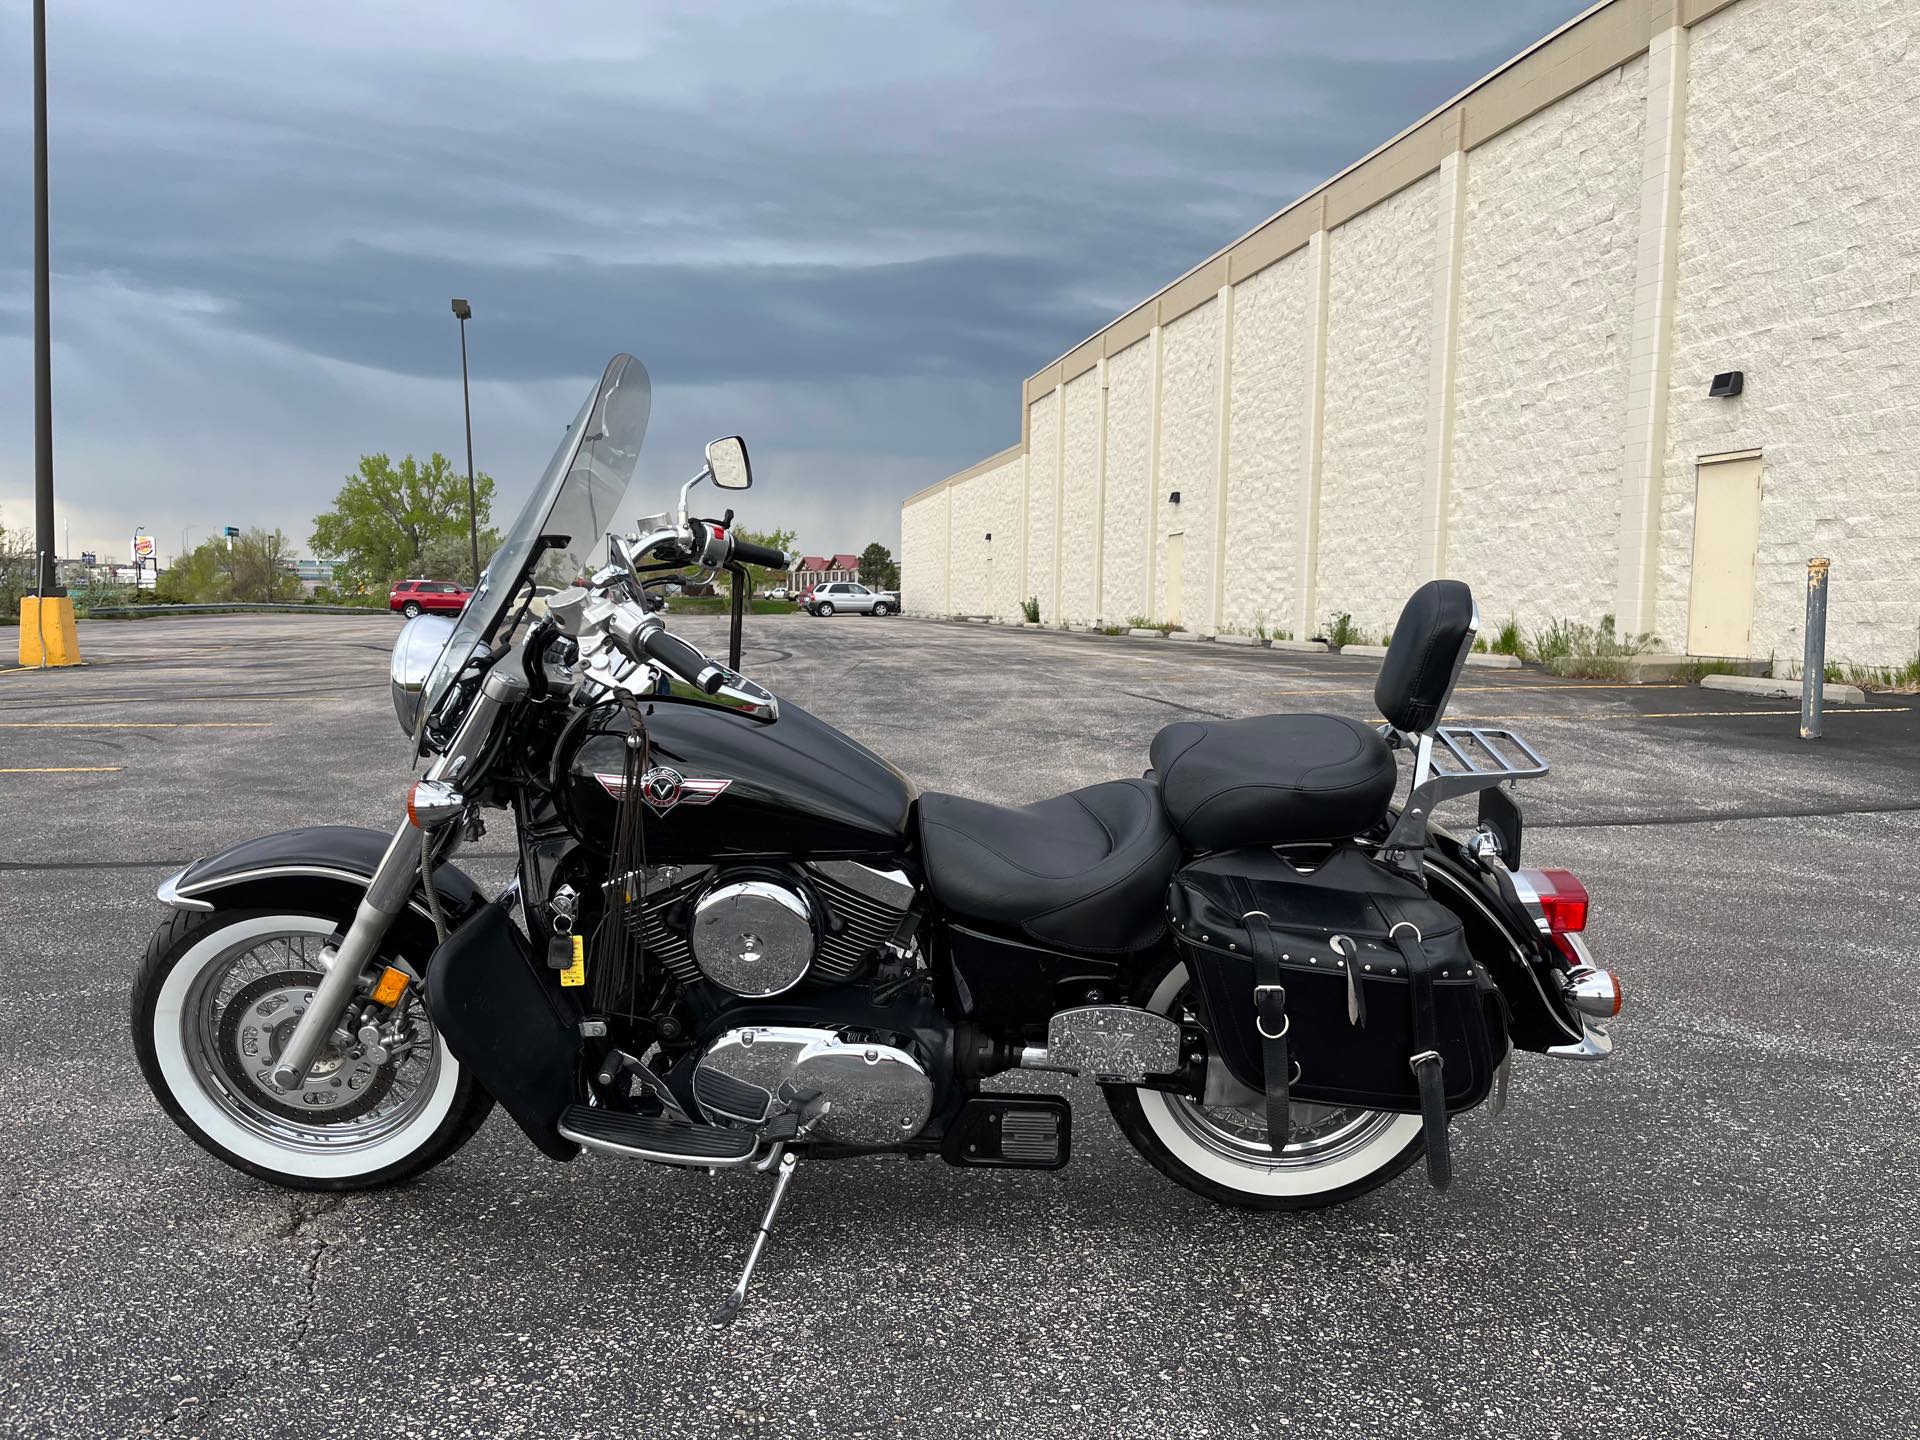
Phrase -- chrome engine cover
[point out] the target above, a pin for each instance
(874, 1094)
(753, 937)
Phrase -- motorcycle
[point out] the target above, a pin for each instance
(737, 939)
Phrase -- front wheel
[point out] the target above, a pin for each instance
(1220, 1151)
(882, 608)
(213, 1004)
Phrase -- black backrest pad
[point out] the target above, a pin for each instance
(1429, 645)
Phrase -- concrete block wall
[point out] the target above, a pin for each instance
(1379, 313)
(1799, 265)
(1545, 314)
(1267, 419)
(1484, 351)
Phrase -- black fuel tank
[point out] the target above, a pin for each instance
(729, 786)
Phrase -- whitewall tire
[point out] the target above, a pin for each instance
(1221, 1152)
(214, 998)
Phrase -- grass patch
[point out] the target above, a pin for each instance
(1030, 610)
(1341, 631)
(1509, 641)
(1594, 652)
(721, 605)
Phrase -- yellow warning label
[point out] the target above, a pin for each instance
(575, 975)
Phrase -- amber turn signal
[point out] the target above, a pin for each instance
(391, 985)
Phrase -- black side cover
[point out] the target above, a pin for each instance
(1428, 648)
(508, 1022)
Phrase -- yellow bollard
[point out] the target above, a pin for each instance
(47, 636)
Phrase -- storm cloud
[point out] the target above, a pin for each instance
(846, 231)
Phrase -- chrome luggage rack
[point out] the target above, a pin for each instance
(1451, 761)
(1459, 752)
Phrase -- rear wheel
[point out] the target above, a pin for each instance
(1221, 1152)
(410, 609)
(213, 1004)
(825, 607)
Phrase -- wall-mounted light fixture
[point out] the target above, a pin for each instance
(1726, 385)
(1174, 498)
(989, 534)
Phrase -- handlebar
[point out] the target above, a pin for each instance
(748, 553)
(682, 659)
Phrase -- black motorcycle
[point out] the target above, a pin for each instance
(737, 938)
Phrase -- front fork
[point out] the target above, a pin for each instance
(392, 883)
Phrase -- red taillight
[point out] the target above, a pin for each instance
(1562, 899)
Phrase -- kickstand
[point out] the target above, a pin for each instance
(730, 1309)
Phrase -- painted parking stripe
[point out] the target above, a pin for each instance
(61, 769)
(136, 725)
(1575, 718)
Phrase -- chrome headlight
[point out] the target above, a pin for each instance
(421, 641)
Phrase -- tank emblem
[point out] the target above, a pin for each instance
(662, 788)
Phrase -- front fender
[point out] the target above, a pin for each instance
(340, 859)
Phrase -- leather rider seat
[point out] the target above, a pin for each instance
(1272, 779)
(1087, 870)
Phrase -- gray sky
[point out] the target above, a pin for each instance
(846, 231)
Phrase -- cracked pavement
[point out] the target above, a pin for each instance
(1715, 1233)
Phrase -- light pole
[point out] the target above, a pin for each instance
(463, 312)
(183, 538)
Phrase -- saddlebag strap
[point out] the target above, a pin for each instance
(1271, 1019)
(1426, 1061)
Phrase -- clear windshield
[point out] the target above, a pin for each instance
(572, 507)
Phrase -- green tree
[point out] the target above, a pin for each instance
(16, 572)
(200, 577)
(390, 522)
(257, 567)
(878, 569)
(252, 569)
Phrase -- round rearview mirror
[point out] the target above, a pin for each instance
(727, 462)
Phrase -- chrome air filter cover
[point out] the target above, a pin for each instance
(754, 937)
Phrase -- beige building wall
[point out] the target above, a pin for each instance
(923, 534)
(1799, 265)
(1379, 329)
(1129, 458)
(1080, 446)
(1267, 401)
(1502, 370)
(1189, 459)
(1042, 481)
(1541, 352)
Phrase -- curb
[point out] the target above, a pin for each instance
(1832, 694)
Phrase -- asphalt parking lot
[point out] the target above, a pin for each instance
(1715, 1233)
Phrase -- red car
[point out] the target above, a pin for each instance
(441, 597)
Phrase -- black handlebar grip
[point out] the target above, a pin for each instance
(748, 553)
(683, 660)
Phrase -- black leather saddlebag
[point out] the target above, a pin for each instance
(1346, 985)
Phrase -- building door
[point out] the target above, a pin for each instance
(1176, 576)
(1726, 535)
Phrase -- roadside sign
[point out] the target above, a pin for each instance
(87, 557)
(142, 549)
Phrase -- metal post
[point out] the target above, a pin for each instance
(48, 581)
(463, 311)
(1813, 669)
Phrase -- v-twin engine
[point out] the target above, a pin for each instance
(837, 1086)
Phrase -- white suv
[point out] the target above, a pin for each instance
(852, 599)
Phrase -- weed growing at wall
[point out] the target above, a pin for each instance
(1596, 651)
(1030, 610)
(1340, 631)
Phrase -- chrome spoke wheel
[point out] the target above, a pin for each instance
(235, 1019)
(1333, 1152)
